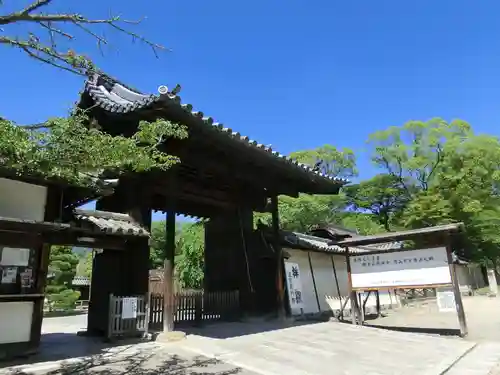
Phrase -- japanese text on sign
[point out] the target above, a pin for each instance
(294, 285)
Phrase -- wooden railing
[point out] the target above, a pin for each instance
(196, 307)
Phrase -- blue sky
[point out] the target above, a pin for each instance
(294, 74)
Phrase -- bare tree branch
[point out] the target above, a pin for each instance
(50, 56)
(50, 52)
(35, 5)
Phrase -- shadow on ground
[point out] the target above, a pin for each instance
(61, 346)
(141, 364)
(378, 322)
(237, 329)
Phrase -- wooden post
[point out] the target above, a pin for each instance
(168, 276)
(314, 281)
(352, 293)
(456, 291)
(377, 294)
(279, 256)
(341, 316)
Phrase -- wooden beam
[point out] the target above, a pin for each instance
(314, 281)
(223, 166)
(456, 289)
(279, 257)
(355, 311)
(338, 287)
(168, 277)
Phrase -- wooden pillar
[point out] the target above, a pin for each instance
(168, 277)
(341, 316)
(314, 281)
(279, 256)
(355, 311)
(53, 209)
(456, 290)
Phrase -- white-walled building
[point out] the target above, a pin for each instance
(324, 277)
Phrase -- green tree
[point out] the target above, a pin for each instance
(68, 149)
(299, 214)
(382, 195)
(158, 242)
(190, 264)
(449, 174)
(329, 160)
(62, 270)
(49, 34)
(414, 152)
(363, 223)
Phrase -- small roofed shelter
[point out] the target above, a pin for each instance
(82, 285)
(433, 238)
(36, 213)
(223, 175)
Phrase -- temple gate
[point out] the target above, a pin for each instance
(223, 176)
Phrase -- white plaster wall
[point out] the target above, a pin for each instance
(20, 200)
(18, 329)
(308, 296)
(469, 277)
(325, 282)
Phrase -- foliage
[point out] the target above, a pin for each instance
(64, 300)
(189, 250)
(381, 195)
(449, 174)
(414, 152)
(66, 148)
(158, 242)
(363, 223)
(49, 35)
(299, 214)
(327, 159)
(62, 270)
(88, 263)
(191, 261)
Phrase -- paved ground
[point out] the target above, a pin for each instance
(64, 353)
(337, 348)
(67, 324)
(482, 314)
(271, 348)
(139, 359)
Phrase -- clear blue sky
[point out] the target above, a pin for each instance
(294, 74)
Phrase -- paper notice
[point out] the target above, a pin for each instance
(15, 257)
(9, 275)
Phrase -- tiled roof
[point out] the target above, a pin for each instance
(385, 246)
(80, 281)
(111, 222)
(113, 96)
(316, 243)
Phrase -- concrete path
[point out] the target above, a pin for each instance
(336, 348)
(265, 348)
(139, 359)
(482, 314)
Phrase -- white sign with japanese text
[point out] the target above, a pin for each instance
(294, 285)
(400, 269)
(129, 308)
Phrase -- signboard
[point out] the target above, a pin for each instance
(294, 285)
(15, 257)
(129, 308)
(422, 267)
(446, 300)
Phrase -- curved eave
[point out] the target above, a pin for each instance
(115, 97)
